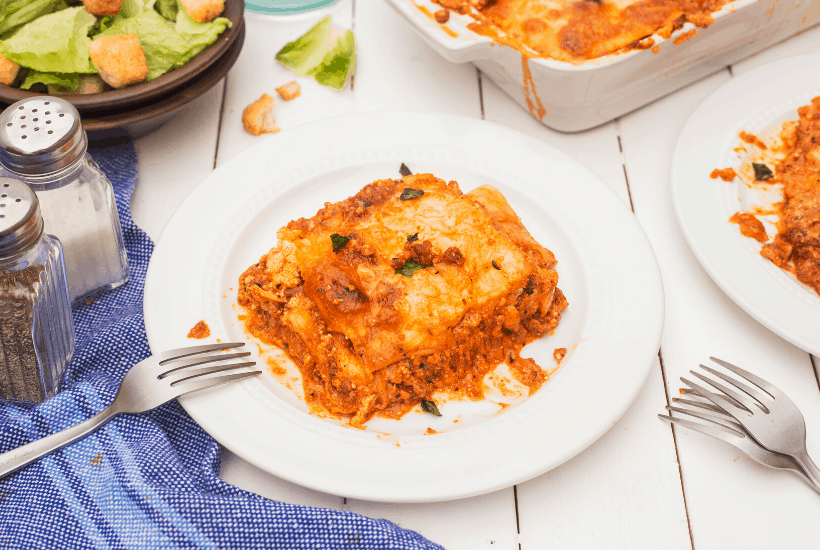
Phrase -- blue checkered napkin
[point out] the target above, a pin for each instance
(146, 481)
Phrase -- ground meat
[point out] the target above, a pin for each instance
(726, 174)
(200, 330)
(750, 226)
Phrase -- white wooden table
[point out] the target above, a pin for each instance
(643, 485)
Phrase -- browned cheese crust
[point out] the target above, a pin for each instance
(370, 340)
(580, 30)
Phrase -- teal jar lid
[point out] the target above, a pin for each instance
(286, 7)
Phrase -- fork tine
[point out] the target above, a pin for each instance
(178, 364)
(188, 386)
(756, 380)
(166, 356)
(721, 420)
(751, 392)
(177, 378)
(700, 404)
(721, 401)
(716, 431)
(744, 401)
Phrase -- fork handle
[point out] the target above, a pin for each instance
(23, 456)
(808, 465)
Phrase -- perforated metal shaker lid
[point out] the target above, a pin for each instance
(40, 135)
(21, 223)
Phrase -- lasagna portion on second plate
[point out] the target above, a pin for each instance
(790, 160)
(406, 290)
(580, 30)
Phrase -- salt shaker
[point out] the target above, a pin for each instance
(36, 331)
(43, 143)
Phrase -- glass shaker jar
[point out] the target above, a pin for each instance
(36, 331)
(43, 143)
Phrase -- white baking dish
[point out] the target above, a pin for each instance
(578, 97)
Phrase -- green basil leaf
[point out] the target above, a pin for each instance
(408, 194)
(429, 407)
(404, 170)
(762, 172)
(412, 238)
(338, 241)
(410, 267)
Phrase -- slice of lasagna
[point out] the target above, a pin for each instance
(405, 290)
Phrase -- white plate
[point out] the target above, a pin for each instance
(757, 102)
(606, 266)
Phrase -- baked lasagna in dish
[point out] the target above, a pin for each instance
(580, 30)
(790, 161)
(407, 290)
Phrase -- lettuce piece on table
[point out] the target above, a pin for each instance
(325, 52)
(54, 43)
(165, 48)
(60, 81)
(16, 13)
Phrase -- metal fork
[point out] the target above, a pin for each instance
(149, 384)
(721, 426)
(766, 413)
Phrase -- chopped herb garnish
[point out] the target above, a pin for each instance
(338, 241)
(409, 267)
(404, 170)
(408, 194)
(528, 289)
(367, 203)
(412, 238)
(596, 1)
(495, 265)
(429, 407)
(762, 172)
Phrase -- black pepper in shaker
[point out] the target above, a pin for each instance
(36, 331)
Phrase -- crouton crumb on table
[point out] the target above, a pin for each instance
(289, 91)
(8, 71)
(258, 119)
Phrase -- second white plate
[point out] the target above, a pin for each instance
(756, 102)
(606, 266)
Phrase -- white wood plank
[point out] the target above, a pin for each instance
(397, 70)
(732, 502)
(486, 521)
(597, 149)
(174, 159)
(624, 491)
(245, 476)
(257, 72)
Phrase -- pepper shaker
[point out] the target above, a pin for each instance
(43, 143)
(36, 331)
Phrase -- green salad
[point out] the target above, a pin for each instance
(50, 39)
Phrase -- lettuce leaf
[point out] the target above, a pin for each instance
(338, 63)
(54, 43)
(16, 13)
(166, 48)
(324, 52)
(62, 82)
(167, 8)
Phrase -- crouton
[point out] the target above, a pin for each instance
(257, 118)
(8, 71)
(119, 59)
(102, 7)
(202, 10)
(289, 91)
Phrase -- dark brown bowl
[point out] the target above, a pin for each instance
(132, 95)
(139, 120)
